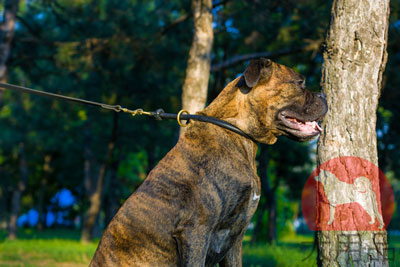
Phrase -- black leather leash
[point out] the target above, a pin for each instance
(158, 114)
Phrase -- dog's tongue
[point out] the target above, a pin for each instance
(307, 126)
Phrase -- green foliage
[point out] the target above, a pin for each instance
(106, 51)
(132, 171)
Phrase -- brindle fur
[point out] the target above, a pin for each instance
(195, 205)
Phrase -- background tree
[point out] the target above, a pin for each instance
(354, 60)
(280, 184)
(195, 86)
(7, 27)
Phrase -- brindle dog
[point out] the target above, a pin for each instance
(195, 205)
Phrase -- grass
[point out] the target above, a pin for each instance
(50, 248)
(277, 255)
(289, 251)
(63, 248)
(55, 252)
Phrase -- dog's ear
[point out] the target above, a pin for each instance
(257, 69)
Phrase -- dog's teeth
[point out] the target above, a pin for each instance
(315, 125)
(318, 127)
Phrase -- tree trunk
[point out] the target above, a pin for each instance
(6, 35)
(95, 189)
(3, 206)
(17, 193)
(258, 223)
(195, 86)
(271, 227)
(354, 60)
(42, 192)
(270, 200)
(111, 199)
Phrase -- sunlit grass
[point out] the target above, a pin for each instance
(278, 255)
(49, 248)
(290, 250)
(45, 252)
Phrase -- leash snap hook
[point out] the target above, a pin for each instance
(116, 108)
(135, 112)
(140, 111)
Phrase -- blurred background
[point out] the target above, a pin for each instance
(65, 169)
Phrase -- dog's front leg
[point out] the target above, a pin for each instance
(192, 245)
(234, 256)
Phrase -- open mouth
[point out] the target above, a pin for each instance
(298, 127)
(300, 121)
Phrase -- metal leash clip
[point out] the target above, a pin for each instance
(118, 108)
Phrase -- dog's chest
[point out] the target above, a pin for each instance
(232, 227)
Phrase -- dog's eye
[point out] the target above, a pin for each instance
(301, 83)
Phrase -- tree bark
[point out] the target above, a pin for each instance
(354, 60)
(6, 36)
(42, 192)
(195, 86)
(3, 206)
(271, 227)
(95, 188)
(258, 223)
(269, 193)
(17, 193)
(262, 172)
(111, 199)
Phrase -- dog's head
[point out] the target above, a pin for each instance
(270, 100)
(283, 105)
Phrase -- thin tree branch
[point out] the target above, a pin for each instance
(241, 58)
(220, 3)
(175, 23)
(311, 45)
(186, 17)
(32, 30)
